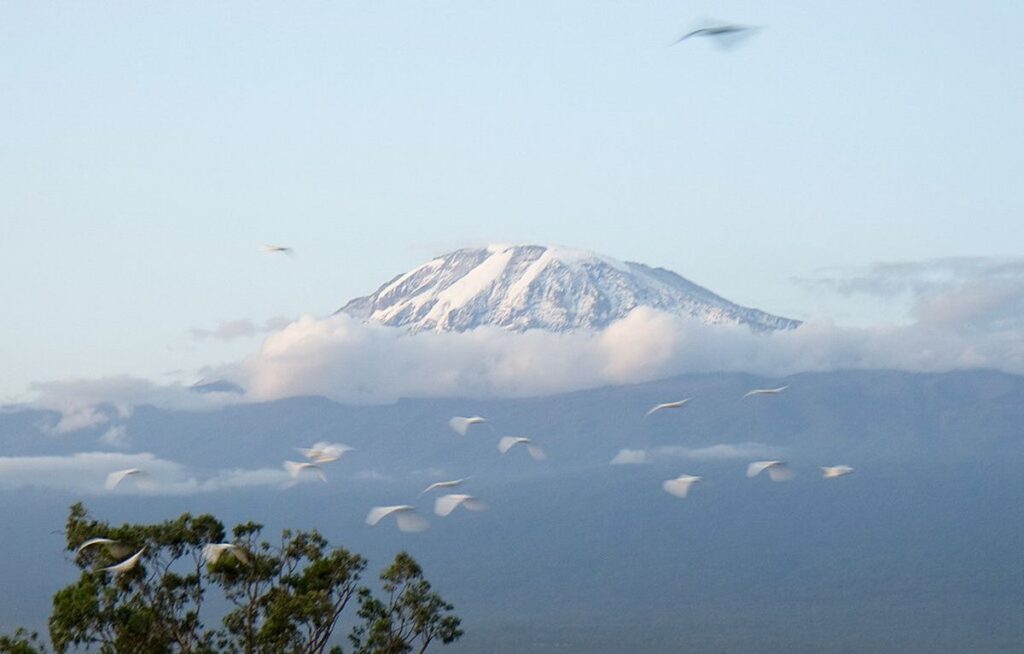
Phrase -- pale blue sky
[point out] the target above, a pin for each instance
(146, 154)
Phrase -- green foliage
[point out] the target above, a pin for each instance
(412, 617)
(21, 642)
(284, 597)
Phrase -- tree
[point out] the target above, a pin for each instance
(413, 616)
(283, 597)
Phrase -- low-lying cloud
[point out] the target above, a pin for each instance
(349, 361)
(719, 452)
(86, 472)
(966, 313)
(239, 328)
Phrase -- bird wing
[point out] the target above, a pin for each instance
(310, 453)
(378, 513)
(535, 452)
(445, 504)
(442, 484)
(459, 425)
(830, 472)
(655, 409)
(294, 468)
(757, 467)
(679, 487)
(670, 405)
(115, 478)
(693, 33)
(213, 551)
(125, 565)
(508, 442)
(409, 521)
(93, 541)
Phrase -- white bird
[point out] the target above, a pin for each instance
(831, 472)
(668, 405)
(405, 516)
(508, 442)
(274, 249)
(443, 484)
(777, 470)
(213, 551)
(766, 391)
(94, 541)
(680, 486)
(461, 425)
(295, 468)
(324, 452)
(448, 503)
(115, 478)
(126, 565)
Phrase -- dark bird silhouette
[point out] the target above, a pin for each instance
(724, 34)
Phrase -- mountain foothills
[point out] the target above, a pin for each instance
(916, 551)
(521, 287)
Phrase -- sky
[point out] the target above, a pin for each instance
(148, 152)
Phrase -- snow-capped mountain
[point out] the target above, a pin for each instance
(522, 287)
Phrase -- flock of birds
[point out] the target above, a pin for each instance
(777, 470)
(405, 515)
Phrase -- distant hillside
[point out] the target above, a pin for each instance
(917, 551)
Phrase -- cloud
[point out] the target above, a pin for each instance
(86, 472)
(969, 293)
(226, 331)
(370, 475)
(116, 436)
(349, 361)
(85, 403)
(720, 452)
(967, 313)
(78, 418)
(892, 278)
(240, 328)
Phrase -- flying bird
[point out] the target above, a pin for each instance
(405, 517)
(448, 503)
(443, 484)
(213, 551)
(126, 565)
(461, 425)
(766, 391)
(668, 405)
(680, 486)
(295, 469)
(323, 452)
(777, 470)
(508, 442)
(831, 472)
(724, 34)
(275, 249)
(115, 478)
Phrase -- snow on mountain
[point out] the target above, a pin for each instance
(522, 287)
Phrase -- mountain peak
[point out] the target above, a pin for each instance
(521, 287)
